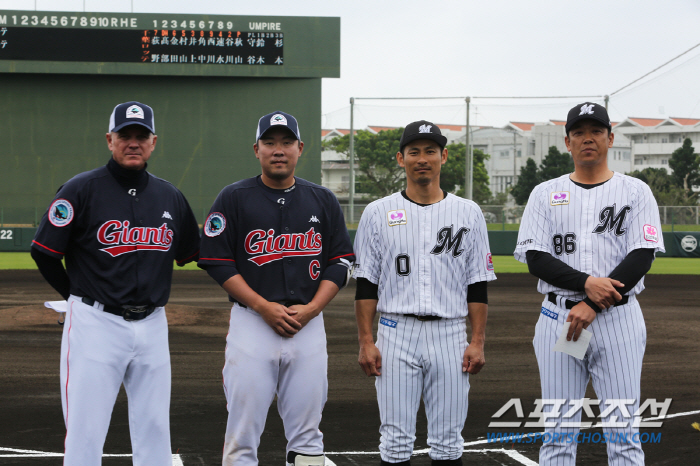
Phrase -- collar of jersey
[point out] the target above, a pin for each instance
(276, 191)
(403, 193)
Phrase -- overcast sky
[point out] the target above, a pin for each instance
(437, 48)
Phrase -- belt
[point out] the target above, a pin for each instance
(552, 298)
(127, 312)
(283, 303)
(423, 318)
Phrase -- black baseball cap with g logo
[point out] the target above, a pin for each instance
(587, 111)
(422, 130)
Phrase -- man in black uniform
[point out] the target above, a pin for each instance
(279, 247)
(119, 229)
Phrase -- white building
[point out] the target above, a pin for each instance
(639, 143)
(653, 140)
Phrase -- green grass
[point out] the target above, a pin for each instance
(502, 264)
(687, 227)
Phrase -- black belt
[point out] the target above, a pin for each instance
(423, 318)
(283, 303)
(126, 311)
(552, 298)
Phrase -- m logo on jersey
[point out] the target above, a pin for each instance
(586, 110)
(559, 198)
(266, 247)
(215, 224)
(60, 213)
(611, 222)
(121, 239)
(446, 242)
(396, 217)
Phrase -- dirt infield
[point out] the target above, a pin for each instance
(30, 407)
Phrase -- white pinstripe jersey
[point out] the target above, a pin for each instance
(423, 257)
(591, 230)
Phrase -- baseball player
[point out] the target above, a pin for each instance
(279, 247)
(423, 261)
(590, 237)
(119, 229)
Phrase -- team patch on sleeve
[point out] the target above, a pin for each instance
(489, 262)
(215, 225)
(559, 198)
(396, 217)
(60, 213)
(387, 322)
(651, 233)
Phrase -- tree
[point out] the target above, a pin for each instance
(452, 173)
(685, 164)
(379, 173)
(555, 164)
(664, 188)
(527, 181)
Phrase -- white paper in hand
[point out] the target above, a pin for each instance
(576, 349)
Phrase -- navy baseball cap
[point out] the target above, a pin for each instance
(277, 119)
(587, 111)
(422, 130)
(131, 113)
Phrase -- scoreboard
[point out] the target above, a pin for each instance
(197, 45)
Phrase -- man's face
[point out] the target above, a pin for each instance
(278, 151)
(589, 141)
(422, 160)
(131, 146)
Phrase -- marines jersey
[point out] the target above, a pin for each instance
(591, 230)
(423, 257)
(118, 248)
(280, 241)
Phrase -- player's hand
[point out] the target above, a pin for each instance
(602, 291)
(474, 358)
(304, 313)
(370, 359)
(580, 316)
(280, 319)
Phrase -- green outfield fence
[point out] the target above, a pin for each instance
(678, 244)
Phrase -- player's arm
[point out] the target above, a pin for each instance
(53, 272)
(277, 316)
(366, 298)
(601, 292)
(477, 304)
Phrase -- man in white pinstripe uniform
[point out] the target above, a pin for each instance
(423, 261)
(590, 237)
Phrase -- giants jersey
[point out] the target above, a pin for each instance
(423, 257)
(591, 230)
(281, 247)
(119, 248)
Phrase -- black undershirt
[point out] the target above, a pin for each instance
(51, 268)
(555, 272)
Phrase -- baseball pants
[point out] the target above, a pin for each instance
(261, 364)
(614, 363)
(421, 358)
(99, 352)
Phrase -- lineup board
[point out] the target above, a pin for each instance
(198, 45)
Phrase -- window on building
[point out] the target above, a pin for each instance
(625, 155)
(637, 161)
(664, 140)
(664, 161)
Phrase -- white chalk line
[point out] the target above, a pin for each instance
(511, 453)
(20, 453)
(177, 459)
